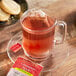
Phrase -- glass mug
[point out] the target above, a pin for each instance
(38, 30)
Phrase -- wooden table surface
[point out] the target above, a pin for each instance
(60, 9)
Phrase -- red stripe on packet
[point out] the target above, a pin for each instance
(28, 66)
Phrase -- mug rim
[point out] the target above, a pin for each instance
(36, 31)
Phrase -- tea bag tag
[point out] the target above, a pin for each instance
(16, 47)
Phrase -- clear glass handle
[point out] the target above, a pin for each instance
(60, 32)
